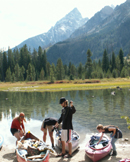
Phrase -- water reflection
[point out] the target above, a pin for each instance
(93, 107)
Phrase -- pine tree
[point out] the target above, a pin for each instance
(105, 61)
(11, 63)
(121, 57)
(8, 75)
(42, 74)
(80, 70)
(31, 72)
(88, 65)
(59, 70)
(17, 72)
(51, 75)
(5, 65)
(113, 61)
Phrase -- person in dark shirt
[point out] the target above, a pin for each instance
(48, 124)
(67, 127)
(115, 134)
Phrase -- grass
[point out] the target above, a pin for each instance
(65, 85)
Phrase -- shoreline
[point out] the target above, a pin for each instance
(42, 86)
(8, 154)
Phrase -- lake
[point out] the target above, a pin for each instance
(93, 107)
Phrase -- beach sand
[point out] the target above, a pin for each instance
(123, 152)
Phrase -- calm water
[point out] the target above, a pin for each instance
(93, 107)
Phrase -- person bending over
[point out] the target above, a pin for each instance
(48, 124)
(17, 127)
(115, 133)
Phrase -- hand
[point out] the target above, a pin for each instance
(71, 103)
(56, 125)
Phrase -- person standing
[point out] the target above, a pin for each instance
(115, 133)
(48, 124)
(17, 127)
(67, 127)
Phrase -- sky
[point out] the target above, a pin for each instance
(23, 19)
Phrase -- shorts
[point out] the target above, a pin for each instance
(13, 131)
(66, 135)
(49, 127)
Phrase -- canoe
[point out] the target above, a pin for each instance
(96, 152)
(75, 140)
(1, 141)
(22, 153)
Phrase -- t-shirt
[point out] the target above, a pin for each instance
(16, 124)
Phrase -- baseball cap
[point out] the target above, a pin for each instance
(62, 99)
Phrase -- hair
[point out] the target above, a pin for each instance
(21, 114)
(100, 126)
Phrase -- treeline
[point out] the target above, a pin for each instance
(21, 64)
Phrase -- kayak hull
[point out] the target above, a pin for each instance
(96, 154)
(21, 158)
(75, 141)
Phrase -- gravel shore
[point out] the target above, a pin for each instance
(123, 152)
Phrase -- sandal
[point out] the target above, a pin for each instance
(60, 155)
(68, 156)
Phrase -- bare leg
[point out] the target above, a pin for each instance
(17, 135)
(51, 137)
(63, 147)
(44, 137)
(70, 148)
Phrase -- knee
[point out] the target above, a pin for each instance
(45, 134)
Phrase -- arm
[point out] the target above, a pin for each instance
(112, 129)
(72, 107)
(100, 138)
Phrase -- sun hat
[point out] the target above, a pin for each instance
(62, 99)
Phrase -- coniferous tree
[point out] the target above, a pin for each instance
(51, 75)
(11, 63)
(5, 65)
(88, 65)
(54, 69)
(42, 74)
(105, 61)
(17, 72)
(34, 58)
(39, 62)
(113, 61)
(59, 70)
(80, 70)
(44, 62)
(8, 75)
(16, 55)
(121, 57)
(22, 72)
(30, 73)
(118, 66)
(48, 69)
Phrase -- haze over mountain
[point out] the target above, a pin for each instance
(61, 31)
(107, 29)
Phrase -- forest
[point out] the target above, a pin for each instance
(22, 65)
